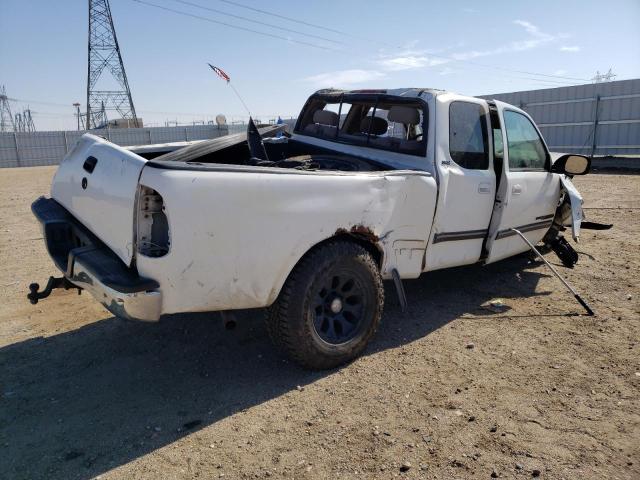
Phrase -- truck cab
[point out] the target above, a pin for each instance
(491, 163)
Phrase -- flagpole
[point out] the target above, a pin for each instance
(239, 97)
(224, 76)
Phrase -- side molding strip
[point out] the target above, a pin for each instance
(524, 228)
(476, 234)
(454, 236)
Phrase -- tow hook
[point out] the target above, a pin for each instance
(61, 282)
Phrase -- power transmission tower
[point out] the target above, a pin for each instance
(104, 53)
(24, 121)
(7, 123)
(603, 77)
(79, 116)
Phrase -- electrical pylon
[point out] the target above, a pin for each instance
(104, 54)
(24, 121)
(7, 123)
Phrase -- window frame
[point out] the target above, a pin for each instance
(547, 161)
(485, 134)
(375, 100)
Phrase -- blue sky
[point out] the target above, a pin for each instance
(470, 47)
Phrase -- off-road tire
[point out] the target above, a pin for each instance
(291, 319)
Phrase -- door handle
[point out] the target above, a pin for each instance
(484, 188)
(517, 189)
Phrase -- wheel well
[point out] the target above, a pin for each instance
(365, 239)
(359, 235)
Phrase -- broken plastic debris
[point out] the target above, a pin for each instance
(496, 306)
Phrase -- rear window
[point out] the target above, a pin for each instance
(375, 123)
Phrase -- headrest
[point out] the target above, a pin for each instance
(403, 114)
(378, 125)
(325, 117)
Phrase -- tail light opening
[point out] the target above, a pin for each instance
(152, 234)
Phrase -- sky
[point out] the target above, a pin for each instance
(469, 47)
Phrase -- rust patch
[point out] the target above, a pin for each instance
(360, 231)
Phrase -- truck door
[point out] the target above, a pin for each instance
(467, 182)
(528, 192)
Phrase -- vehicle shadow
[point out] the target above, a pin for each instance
(83, 402)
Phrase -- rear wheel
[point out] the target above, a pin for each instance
(329, 307)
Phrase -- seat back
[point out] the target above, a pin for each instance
(325, 123)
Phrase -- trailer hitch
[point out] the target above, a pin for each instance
(54, 282)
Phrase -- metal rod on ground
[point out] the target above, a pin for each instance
(555, 272)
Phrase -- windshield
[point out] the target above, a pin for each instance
(381, 122)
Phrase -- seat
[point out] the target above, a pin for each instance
(379, 126)
(407, 116)
(325, 123)
(403, 114)
(374, 125)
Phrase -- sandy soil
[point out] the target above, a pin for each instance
(545, 391)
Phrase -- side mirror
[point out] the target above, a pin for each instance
(571, 164)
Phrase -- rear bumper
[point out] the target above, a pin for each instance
(89, 264)
(144, 305)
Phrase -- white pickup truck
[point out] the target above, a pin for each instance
(370, 185)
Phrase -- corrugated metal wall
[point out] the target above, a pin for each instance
(48, 148)
(570, 118)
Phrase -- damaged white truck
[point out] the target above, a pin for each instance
(371, 185)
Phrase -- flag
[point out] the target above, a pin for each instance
(220, 73)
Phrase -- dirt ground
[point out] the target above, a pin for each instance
(545, 391)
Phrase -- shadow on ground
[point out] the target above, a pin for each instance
(77, 404)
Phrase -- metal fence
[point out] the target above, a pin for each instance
(594, 119)
(25, 149)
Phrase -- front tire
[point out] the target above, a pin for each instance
(329, 307)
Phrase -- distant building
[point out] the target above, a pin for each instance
(125, 123)
(593, 119)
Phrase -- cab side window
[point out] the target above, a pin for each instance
(525, 147)
(468, 143)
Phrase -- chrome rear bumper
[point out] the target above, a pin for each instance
(143, 305)
(90, 265)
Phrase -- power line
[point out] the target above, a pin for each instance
(237, 27)
(258, 22)
(448, 58)
(453, 59)
(524, 72)
(39, 102)
(301, 22)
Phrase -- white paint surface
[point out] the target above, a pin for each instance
(106, 206)
(236, 236)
